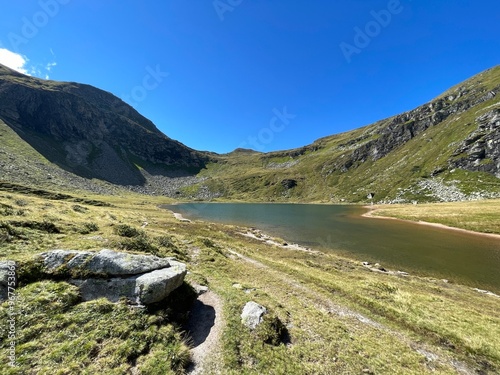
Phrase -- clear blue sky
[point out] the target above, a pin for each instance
(234, 64)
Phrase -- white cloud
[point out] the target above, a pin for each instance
(19, 63)
(14, 60)
(48, 68)
(50, 65)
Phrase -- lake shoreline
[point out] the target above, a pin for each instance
(368, 214)
(357, 215)
(372, 210)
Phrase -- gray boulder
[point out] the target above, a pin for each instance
(114, 263)
(105, 262)
(141, 279)
(143, 289)
(253, 314)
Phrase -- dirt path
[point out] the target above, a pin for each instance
(205, 328)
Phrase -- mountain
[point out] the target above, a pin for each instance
(73, 136)
(445, 150)
(87, 132)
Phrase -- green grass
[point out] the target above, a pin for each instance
(323, 342)
(58, 334)
(478, 216)
(315, 299)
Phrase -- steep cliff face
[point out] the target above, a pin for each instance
(90, 132)
(480, 151)
(396, 131)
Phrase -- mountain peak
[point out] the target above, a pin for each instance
(90, 132)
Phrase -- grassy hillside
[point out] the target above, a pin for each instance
(339, 317)
(481, 216)
(413, 156)
(20, 163)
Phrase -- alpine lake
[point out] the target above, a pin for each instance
(460, 257)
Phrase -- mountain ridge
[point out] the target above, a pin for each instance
(90, 132)
(446, 149)
(390, 159)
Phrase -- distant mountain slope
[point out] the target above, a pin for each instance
(74, 136)
(89, 132)
(445, 150)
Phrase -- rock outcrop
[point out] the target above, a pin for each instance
(142, 289)
(141, 279)
(288, 183)
(481, 150)
(390, 134)
(104, 263)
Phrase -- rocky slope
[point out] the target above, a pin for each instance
(445, 150)
(90, 133)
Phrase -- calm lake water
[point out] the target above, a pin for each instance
(461, 257)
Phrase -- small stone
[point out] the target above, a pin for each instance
(253, 314)
(200, 289)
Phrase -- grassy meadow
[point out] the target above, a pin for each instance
(334, 315)
(478, 216)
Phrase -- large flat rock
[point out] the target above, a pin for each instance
(140, 278)
(143, 289)
(105, 262)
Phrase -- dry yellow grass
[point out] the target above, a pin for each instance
(478, 216)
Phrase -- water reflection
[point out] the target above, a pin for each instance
(462, 257)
